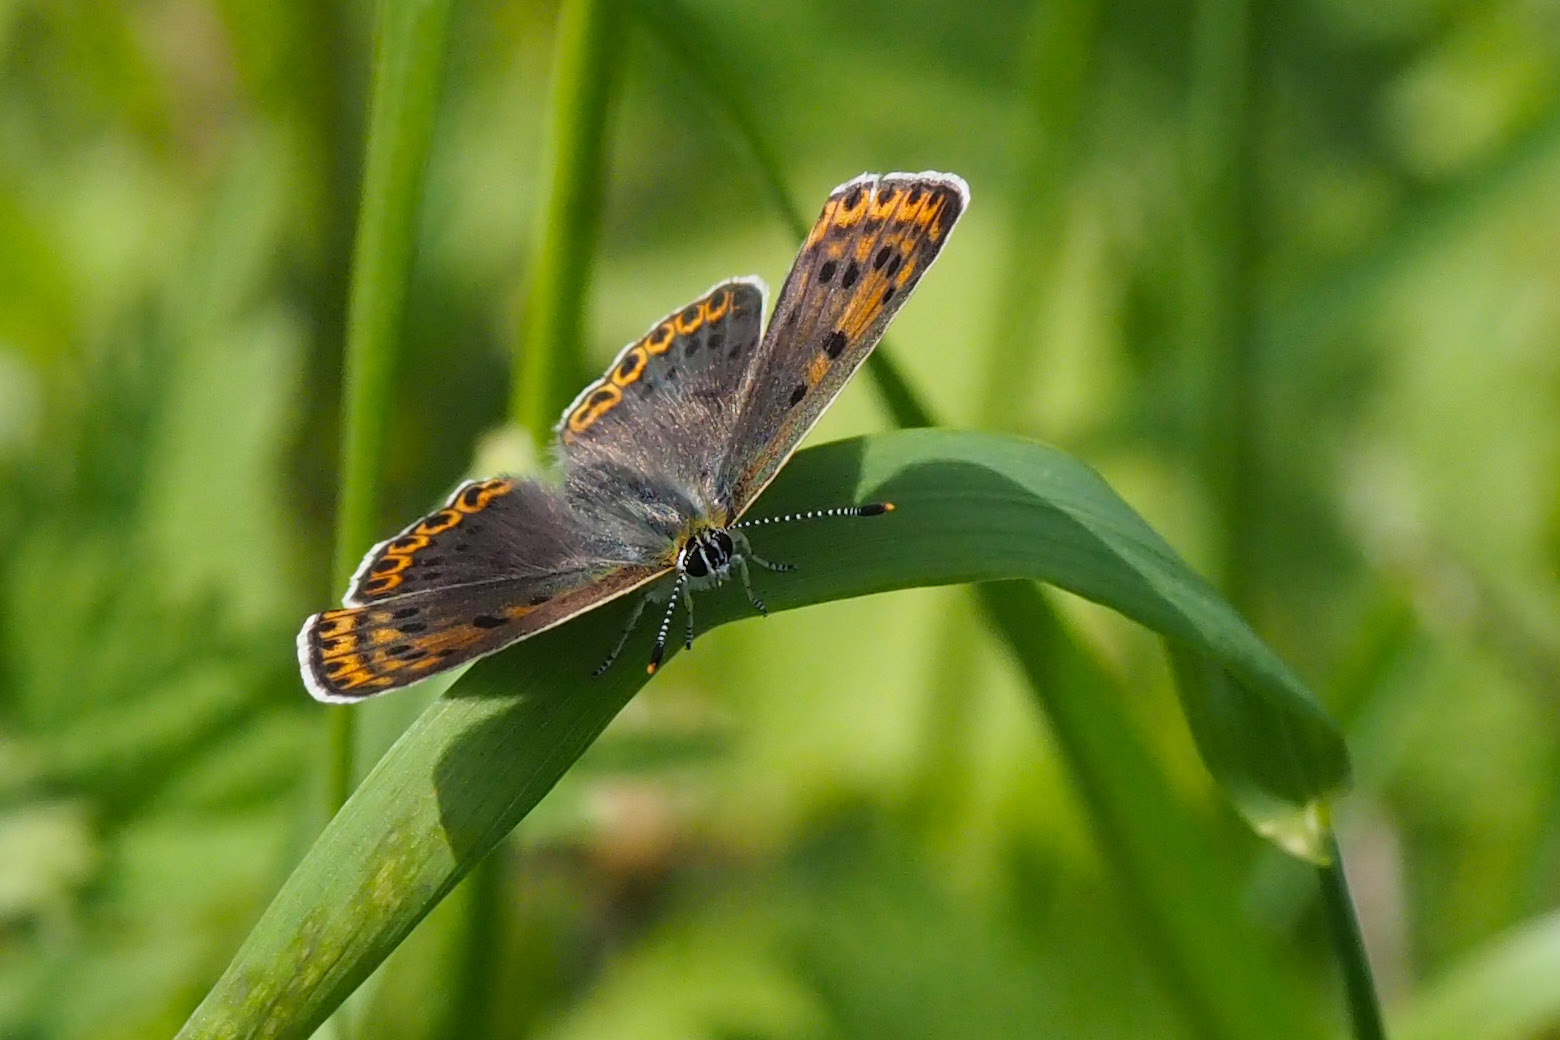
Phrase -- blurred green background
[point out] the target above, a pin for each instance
(1291, 283)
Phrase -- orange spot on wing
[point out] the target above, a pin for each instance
(660, 339)
(439, 522)
(383, 583)
(631, 367)
(601, 401)
(825, 221)
(816, 369)
(391, 565)
(717, 305)
(687, 323)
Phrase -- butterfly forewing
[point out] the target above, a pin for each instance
(871, 245)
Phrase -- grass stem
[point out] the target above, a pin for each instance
(584, 70)
(408, 68)
(1343, 928)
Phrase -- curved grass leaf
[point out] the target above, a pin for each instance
(971, 508)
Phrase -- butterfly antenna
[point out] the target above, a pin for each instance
(870, 509)
(666, 623)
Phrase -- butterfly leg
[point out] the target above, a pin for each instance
(688, 602)
(747, 583)
(633, 619)
(747, 553)
(780, 568)
(666, 623)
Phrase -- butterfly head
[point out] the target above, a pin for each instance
(708, 556)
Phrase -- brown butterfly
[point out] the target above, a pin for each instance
(661, 457)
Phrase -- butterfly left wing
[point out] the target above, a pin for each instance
(502, 560)
(348, 654)
(871, 245)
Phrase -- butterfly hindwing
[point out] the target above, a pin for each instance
(704, 348)
(355, 652)
(489, 529)
(502, 560)
(869, 248)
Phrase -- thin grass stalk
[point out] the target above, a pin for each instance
(408, 68)
(1225, 112)
(1219, 326)
(1064, 37)
(681, 33)
(584, 72)
(1343, 927)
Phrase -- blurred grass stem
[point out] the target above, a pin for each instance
(1343, 927)
(1219, 321)
(408, 68)
(584, 71)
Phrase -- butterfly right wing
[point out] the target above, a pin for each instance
(874, 240)
(703, 349)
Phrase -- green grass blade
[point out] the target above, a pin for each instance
(971, 508)
(408, 67)
(583, 74)
(1503, 991)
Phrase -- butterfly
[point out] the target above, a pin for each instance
(660, 459)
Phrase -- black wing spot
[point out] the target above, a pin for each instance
(888, 294)
(851, 272)
(797, 395)
(836, 344)
(853, 199)
(471, 498)
(887, 194)
(694, 342)
(489, 621)
(893, 265)
(538, 600)
(826, 272)
(406, 612)
(717, 340)
(689, 314)
(913, 197)
(881, 258)
(473, 528)
(398, 649)
(413, 628)
(462, 547)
